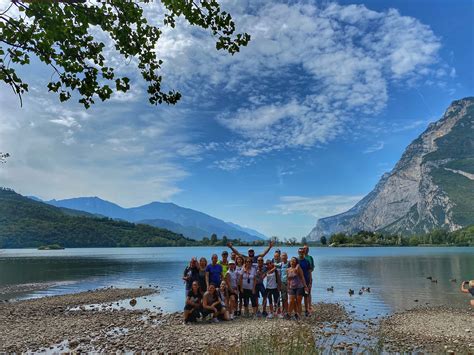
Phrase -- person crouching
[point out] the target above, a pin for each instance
(211, 304)
(193, 307)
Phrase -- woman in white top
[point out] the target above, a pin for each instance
(273, 287)
(247, 285)
(239, 262)
(232, 281)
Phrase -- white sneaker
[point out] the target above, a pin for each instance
(215, 320)
(232, 317)
(270, 316)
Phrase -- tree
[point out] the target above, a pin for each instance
(63, 35)
(213, 239)
(323, 240)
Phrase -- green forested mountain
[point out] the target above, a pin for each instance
(28, 223)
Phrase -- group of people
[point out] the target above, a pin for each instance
(226, 288)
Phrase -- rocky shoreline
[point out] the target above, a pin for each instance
(64, 323)
(434, 329)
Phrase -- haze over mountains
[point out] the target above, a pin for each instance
(192, 224)
(432, 185)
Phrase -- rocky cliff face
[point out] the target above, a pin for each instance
(431, 186)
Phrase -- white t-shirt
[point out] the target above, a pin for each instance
(234, 278)
(247, 279)
(272, 282)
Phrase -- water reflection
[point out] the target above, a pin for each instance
(397, 276)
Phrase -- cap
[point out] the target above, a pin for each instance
(268, 261)
(225, 252)
(231, 262)
(278, 251)
(251, 249)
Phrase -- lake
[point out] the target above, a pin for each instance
(397, 276)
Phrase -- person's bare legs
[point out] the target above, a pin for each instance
(299, 307)
(232, 304)
(284, 301)
(292, 305)
(307, 303)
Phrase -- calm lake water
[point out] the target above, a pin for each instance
(397, 276)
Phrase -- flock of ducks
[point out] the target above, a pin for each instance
(367, 289)
(436, 281)
(351, 291)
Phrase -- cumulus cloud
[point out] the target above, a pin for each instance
(318, 207)
(308, 71)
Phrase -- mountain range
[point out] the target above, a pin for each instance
(191, 223)
(28, 223)
(431, 186)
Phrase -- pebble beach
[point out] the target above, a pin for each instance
(66, 323)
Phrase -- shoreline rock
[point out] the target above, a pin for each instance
(436, 329)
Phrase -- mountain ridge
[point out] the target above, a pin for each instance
(191, 223)
(421, 192)
(26, 223)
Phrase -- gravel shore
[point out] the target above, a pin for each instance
(63, 323)
(50, 324)
(436, 329)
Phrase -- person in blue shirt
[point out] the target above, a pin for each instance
(213, 272)
(305, 265)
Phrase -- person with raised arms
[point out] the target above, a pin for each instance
(251, 252)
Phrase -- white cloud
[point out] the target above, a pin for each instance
(318, 207)
(307, 72)
(373, 148)
(121, 153)
(67, 121)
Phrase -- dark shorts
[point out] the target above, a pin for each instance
(296, 291)
(249, 296)
(195, 313)
(273, 295)
(188, 307)
(206, 311)
(260, 290)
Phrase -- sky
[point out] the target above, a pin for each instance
(299, 125)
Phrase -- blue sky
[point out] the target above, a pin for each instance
(299, 125)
